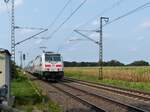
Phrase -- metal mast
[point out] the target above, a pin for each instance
(106, 19)
(13, 30)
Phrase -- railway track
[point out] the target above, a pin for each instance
(47, 85)
(97, 102)
(85, 102)
(138, 95)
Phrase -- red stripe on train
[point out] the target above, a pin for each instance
(47, 65)
(58, 65)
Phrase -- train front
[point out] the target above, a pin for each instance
(54, 68)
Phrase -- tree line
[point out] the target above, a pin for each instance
(108, 63)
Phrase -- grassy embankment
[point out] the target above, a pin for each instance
(128, 77)
(28, 99)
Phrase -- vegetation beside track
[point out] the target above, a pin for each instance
(128, 77)
(27, 98)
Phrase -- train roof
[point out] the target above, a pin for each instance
(51, 53)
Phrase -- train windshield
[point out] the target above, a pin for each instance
(54, 57)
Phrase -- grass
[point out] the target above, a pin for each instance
(27, 98)
(127, 77)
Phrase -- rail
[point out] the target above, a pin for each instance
(145, 96)
(132, 108)
(87, 103)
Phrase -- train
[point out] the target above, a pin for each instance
(48, 65)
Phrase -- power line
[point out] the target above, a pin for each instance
(104, 11)
(118, 18)
(33, 36)
(129, 13)
(122, 16)
(60, 13)
(59, 27)
(96, 42)
(29, 28)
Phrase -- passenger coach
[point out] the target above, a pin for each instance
(48, 65)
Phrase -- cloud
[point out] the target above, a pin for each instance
(38, 41)
(25, 31)
(73, 40)
(6, 7)
(36, 10)
(97, 35)
(140, 38)
(18, 3)
(145, 25)
(133, 50)
(95, 23)
(71, 49)
(94, 35)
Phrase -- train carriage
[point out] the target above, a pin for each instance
(48, 65)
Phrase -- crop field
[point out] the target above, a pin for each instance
(130, 77)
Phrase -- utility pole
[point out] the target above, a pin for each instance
(13, 27)
(106, 19)
(13, 30)
(99, 43)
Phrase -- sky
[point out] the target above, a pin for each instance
(125, 40)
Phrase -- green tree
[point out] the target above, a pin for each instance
(139, 63)
(114, 63)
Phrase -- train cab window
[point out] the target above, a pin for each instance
(57, 58)
(49, 58)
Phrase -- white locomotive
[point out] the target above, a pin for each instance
(48, 65)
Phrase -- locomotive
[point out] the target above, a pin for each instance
(48, 65)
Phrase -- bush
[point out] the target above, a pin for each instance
(139, 63)
(14, 70)
(114, 63)
(92, 64)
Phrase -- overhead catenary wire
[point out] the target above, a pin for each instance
(60, 13)
(96, 42)
(33, 36)
(120, 17)
(103, 12)
(29, 28)
(128, 13)
(116, 19)
(69, 41)
(66, 20)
